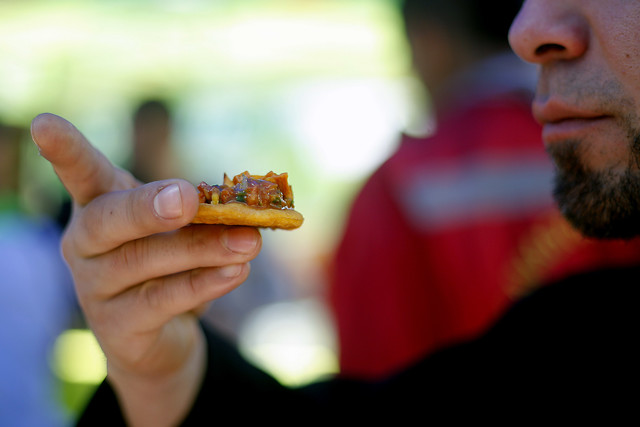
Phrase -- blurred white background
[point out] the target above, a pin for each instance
(316, 88)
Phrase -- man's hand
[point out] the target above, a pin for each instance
(141, 273)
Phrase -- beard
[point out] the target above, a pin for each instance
(600, 204)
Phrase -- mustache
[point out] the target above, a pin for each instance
(590, 89)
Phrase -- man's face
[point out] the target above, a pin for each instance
(587, 100)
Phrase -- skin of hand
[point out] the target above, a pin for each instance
(142, 272)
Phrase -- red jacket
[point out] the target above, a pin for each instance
(449, 232)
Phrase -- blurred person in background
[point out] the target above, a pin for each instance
(456, 225)
(37, 300)
(153, 157)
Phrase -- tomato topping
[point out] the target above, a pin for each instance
(260, 191)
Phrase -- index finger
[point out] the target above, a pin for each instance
(118, 217)
(84, 171)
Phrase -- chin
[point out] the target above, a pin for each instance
(602, 204)
(601, 222)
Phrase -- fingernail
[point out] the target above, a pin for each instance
(35, 141)
(240, 240)
(168, 202)
(230, 271)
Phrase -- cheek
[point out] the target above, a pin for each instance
(609, 151)
(627, 64)
(619, 34)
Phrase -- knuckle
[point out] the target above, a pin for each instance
(89, 225)
(190, 286)
(131, 210)
(153, 296)
(199, 240)
(167, 295)
(172, 295)
(130, 256)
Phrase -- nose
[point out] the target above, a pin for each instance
(548, 30)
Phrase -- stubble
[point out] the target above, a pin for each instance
(601, 204)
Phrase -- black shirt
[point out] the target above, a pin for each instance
(568, 351)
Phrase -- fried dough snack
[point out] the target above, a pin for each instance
(252, 200)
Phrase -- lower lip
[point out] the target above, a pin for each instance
(572, 129)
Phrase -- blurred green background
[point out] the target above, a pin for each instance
(320, 89)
